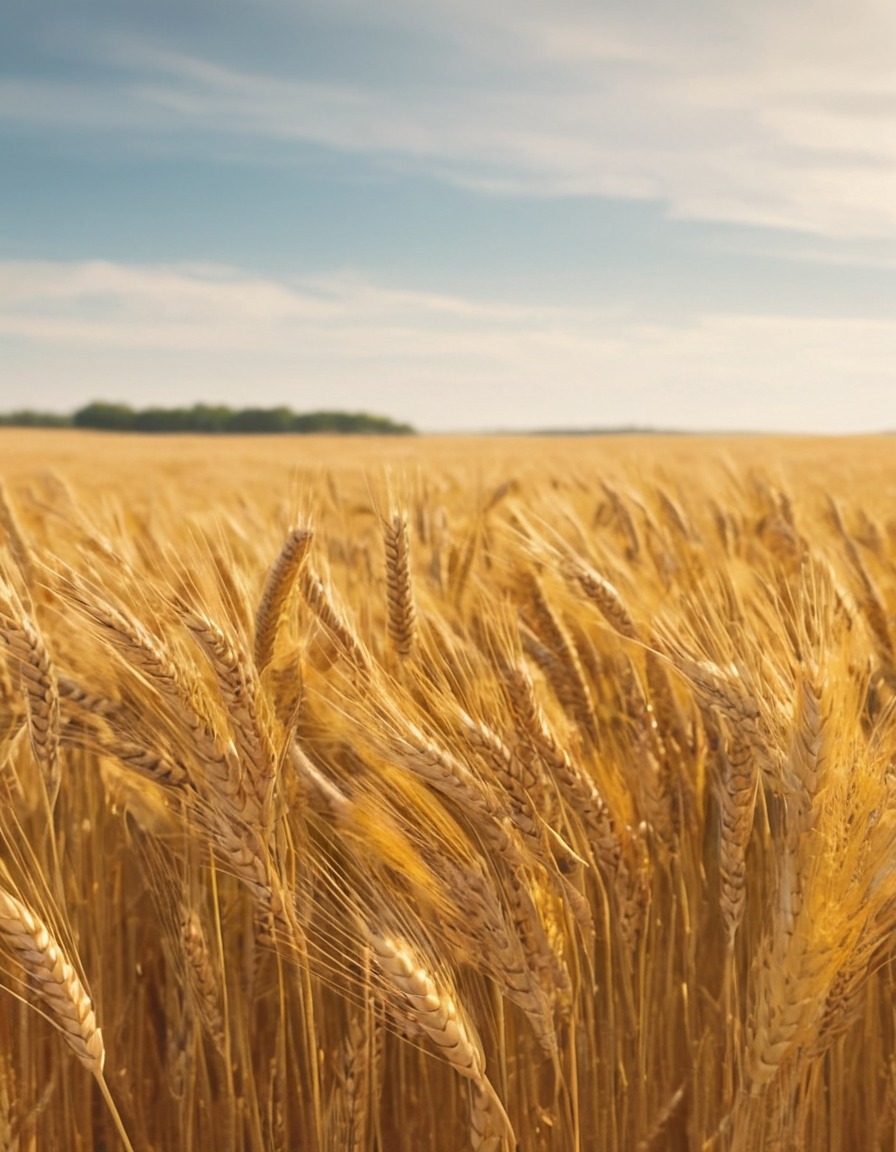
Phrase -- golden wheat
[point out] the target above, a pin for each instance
(591, 785)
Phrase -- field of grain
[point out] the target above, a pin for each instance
(427, 794)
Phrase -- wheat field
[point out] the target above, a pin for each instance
(437, 794)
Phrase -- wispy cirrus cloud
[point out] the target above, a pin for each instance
(781, 116)
(70, 333)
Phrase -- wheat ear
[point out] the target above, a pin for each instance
(238, 685)
(737, 798)
(53, 978)
(201, 977)
(278, 588)
(431, 1009)
(441, 1019)
(402, 614)
(33, 664)
(606, 599)
(563, 667)
(488, 1123)
(318, 600)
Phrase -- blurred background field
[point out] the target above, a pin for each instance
(200, 465)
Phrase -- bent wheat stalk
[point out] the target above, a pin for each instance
(52, 976)
(439, 1016)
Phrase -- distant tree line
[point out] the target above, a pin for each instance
(206, 418)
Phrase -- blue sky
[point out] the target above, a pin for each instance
(468, 216)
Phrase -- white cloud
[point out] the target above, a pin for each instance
(71, 333)
(781, 115)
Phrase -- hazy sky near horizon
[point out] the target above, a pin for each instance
(467, 216)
